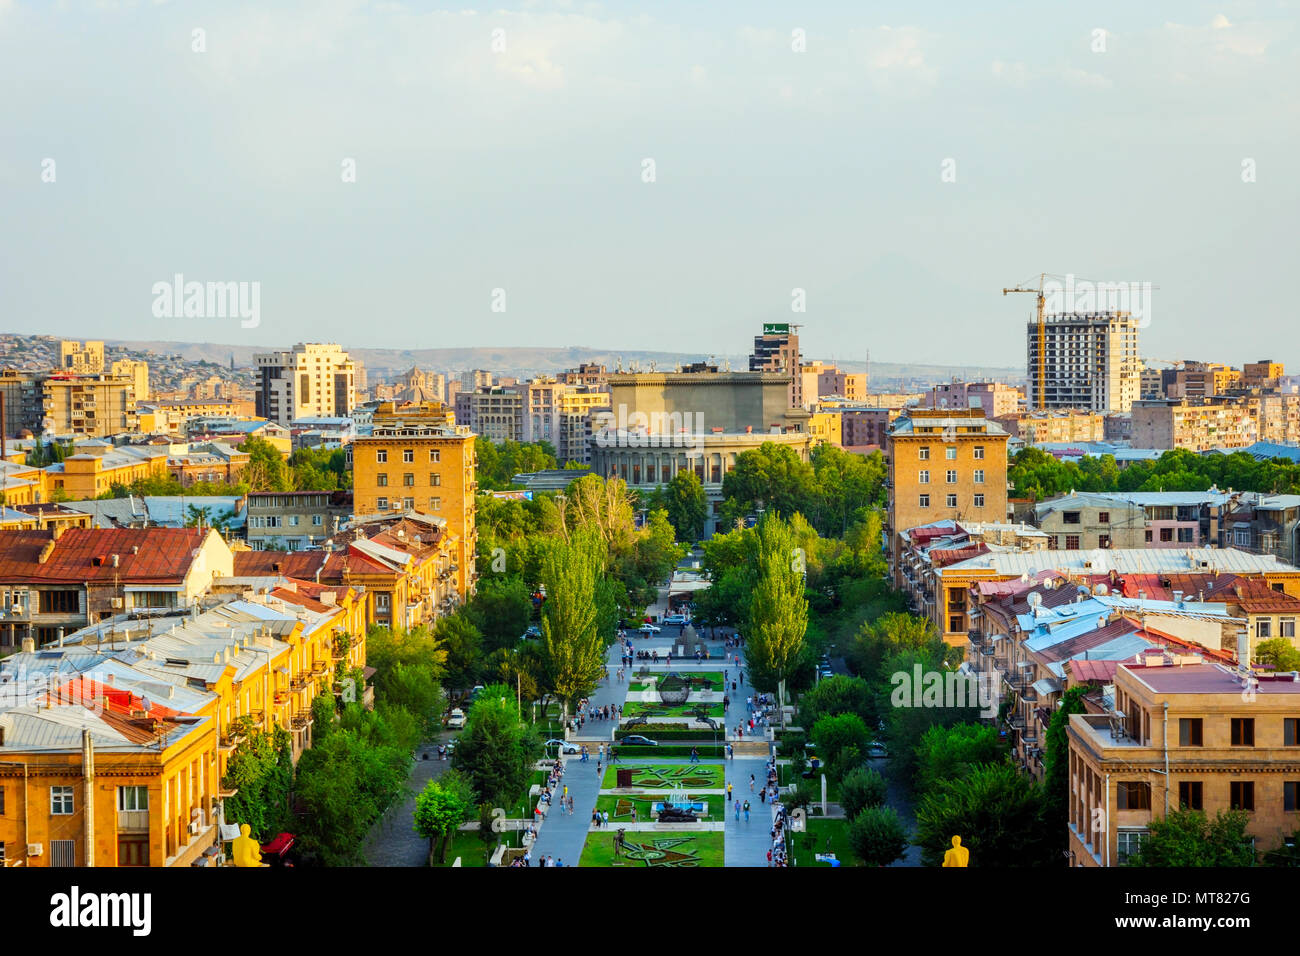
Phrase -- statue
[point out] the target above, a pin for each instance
(244, 850)
(958, 855)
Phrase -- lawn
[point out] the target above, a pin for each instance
(823, 836)
(714, 679)
(691, 776)
(647, 848)
(787, 776)
(620, 808)
(635, 708)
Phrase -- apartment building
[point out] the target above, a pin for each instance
(1183, 732)
(53, 582)
(93, 406)
(1039, 428)
(1262, 374)
(295, 520)
(24, 402)
(994, 398)
(560, 414)
(496, 412)
(76, 358)
(945, 464)
(1265, 524)
(1136, 519)
(1196, 426)
(1090, 361)
(415, 460)
(137, 372)
(821, 381)
(311, 379)
(777, 350)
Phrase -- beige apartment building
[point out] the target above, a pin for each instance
(1090, 361)
(311, 380)
(77, 358)
(93, 406)
(820, 381)
(1180, 423)
(1037, 428)
(137, 372)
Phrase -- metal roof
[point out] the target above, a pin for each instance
(1124, 561)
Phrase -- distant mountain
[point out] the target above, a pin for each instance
(523, 361)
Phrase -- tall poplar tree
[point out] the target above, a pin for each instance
(778, 609)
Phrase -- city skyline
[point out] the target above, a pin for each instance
(523, 169)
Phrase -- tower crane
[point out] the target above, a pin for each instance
(1042, 337)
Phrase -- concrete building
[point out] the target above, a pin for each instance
(76, 358)
(1037, 428)
(1137, 519)
(1196, 426)
(24, 402)
(137, 372)
(295, 520)
(1183, 732)
(945, 465)
(1265, 524)
(311, 379)
(1262, 374)
(96, 406)
(777, 350)
(820, 381)
(994, 398)
(1090, 361)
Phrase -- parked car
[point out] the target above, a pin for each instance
(678, 619)
(457, 719)
(636, 740)
(533, 631)
(649, 628)
(877, 750)
(566, 746)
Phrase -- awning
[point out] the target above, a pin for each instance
(280, 845)
(1047, 686)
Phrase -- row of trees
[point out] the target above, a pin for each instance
(1034, 473)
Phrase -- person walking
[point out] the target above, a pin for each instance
(737, 809)
(751, 784)
(728, 792)
(604, 820)
(746, 811)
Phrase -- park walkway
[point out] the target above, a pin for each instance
(392, 841)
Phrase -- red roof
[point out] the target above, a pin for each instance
(1086, 670)
(81, 555)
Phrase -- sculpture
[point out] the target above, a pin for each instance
(244, 850)
(958, 855)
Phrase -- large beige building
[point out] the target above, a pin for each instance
(311, 380)
(137, 372)
(1090, 361)
(76, 358)
(96, 406)
(1037, 428)
(777, 350)
(1197, 426)
(821, 381)
(995, 398)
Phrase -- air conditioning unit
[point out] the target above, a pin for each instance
(195, 827)
(35, 849)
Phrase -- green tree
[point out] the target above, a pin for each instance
(686, 505)
(571, 646)
(946, 753)
(777, 617)
(877, 836)
(1056, 759)
(997, 812)
(1279, 654)
(772, 477)
(1187, 838)
(838, 695)
(501, 610)
(440, 808)
(837, 735)
(496, 749)
(464, 646)
(860, 789)
(261, 770)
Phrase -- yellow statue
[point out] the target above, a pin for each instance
(958, 855)
(245, 851)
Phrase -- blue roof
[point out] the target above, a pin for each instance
(1263, 451)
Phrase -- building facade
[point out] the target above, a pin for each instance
(1090, 361)
(311, 379)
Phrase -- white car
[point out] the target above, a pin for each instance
(649, 629)
(681, 619)
(457, 719)
(566, 746)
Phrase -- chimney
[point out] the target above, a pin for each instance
(29, 645)
(1244, 652)
(47, 550)
(1178, 598)
(58, 530)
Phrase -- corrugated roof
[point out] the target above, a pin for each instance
(162, 555)
(1125, 561)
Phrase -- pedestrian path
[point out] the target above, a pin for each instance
(747, 842)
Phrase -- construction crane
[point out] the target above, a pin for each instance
(1042, 337)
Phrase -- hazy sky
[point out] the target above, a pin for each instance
(523, 169)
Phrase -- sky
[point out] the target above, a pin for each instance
(665, 175)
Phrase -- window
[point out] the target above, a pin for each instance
(1071, 542)
(408, 504)
(1191, 732)
(1191, 795)
(1286, 627)
(1128, 843)
(923, 454)
(979, 501)
(293, 521)
(923, 501)
(435, 455)
(1264, 627)
(408, 480)
(381, 479)
(1103, 541)
(1148, 537)
(1241, 795)
(1103, 517)
(60, 801)
(1133, 795)
(1291, 732)
(317, 520)
(1070, 517)
(133, 798)
(1290, 795)
(2, 801)
(408, 455)
(950, 453)
(435, 504)
(952, 501)
(381, 504)
(1185, 536)
(1166, 534)
(979, 452)
(436, 480)
(1243, 731)
(381, 456)
(979, 476)
(923, 477)
(951, 477)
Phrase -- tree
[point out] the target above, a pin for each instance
(1279, 654)
(997, 812)
(261, 770)
(572, 650)
(772, 477)
(463, 643)
(266, 469)
(777, 617)
(686, 505)
(840, 736)
(877, 836)
(501, 610)
(860, 789)
(1187, 838)
(1056, 759)
(441, 808)
(946, 753)
(496, 749)
(838, 695)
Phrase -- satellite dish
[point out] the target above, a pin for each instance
(1049, 584)
(1101, 590)
(1035, 600)
(146, 705)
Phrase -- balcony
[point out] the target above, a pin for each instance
(132, 821)
(1015, 722)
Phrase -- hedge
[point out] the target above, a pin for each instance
(637, 750)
